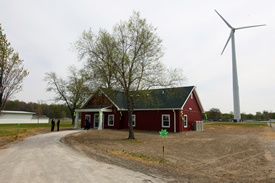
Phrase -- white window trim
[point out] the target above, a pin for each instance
(113, 120)
(134, 118)
(191, 95)
(162, 120)
(185, 126)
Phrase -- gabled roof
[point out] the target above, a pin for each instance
(167, 98)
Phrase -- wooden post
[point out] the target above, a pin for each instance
(163, 153)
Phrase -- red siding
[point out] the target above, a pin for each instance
(150, 120)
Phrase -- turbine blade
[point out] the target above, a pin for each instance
(224, 21)
(250, 26)
(231, 32)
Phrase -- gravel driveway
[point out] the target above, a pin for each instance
(43, 158)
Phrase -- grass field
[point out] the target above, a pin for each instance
(7, 130)
(244, 124)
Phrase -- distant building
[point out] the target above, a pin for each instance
(9, 117)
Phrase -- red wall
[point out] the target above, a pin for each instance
(192, 115)
(149, 120)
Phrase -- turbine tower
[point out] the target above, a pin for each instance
(236, 97)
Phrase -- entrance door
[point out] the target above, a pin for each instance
(96, 121)
(89, 118)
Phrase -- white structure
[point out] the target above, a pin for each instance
(9, 117)
(100, 116)
(236, 98)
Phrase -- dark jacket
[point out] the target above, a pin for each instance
(53, 122)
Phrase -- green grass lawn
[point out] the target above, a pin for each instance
(247, 124)
(13, 129)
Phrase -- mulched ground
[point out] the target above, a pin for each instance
(217, 154)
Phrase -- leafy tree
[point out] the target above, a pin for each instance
(243, 116)
(227, 117)
(266, 115)
(250, 116)
(214, 114)
(127, 60)
(258, 116)
(73, 91)
(12, 71)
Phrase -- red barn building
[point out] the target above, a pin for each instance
(173, 109)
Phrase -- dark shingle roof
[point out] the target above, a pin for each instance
(168, 98)
(95, 107)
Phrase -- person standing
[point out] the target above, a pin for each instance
(58, 122)
(86, 123)
(53, 123)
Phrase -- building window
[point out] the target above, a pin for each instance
(185, 121)
(191, 95)
(134, 120)
(166, 121)
(111, 119)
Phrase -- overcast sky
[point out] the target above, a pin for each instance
(193, 36)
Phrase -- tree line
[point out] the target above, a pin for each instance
(52, 110)
(215, 114)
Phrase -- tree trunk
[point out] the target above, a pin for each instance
(131, 131)
(73, 117)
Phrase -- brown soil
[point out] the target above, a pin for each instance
(241, 154)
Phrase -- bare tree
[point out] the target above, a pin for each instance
(12, 71)
(73, 91)
(128, 60)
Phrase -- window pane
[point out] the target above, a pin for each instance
(165, 121)
(133, 120)
(111, 120)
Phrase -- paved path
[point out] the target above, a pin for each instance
(43, 158)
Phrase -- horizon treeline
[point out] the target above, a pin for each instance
(215, 114)
(52, 110)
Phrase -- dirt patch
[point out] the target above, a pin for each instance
(267, 139)
(213, 155)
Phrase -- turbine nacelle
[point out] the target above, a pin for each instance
(233, 29)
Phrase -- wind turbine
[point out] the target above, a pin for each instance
(236, 97)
